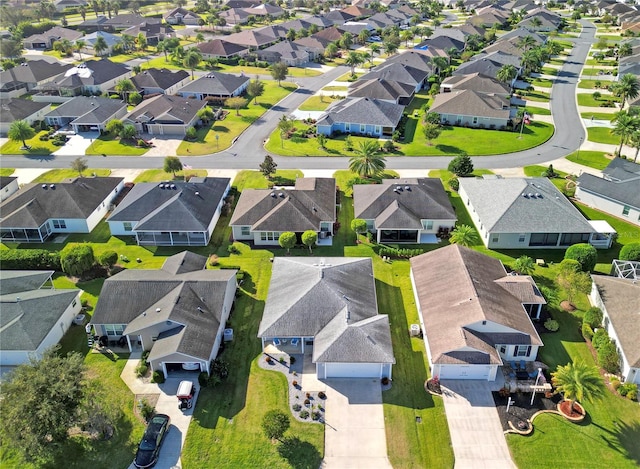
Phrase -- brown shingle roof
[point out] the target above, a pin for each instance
(471, 103)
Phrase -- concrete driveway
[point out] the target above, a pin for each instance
(354, 430)
(476, 433)
(77, 144)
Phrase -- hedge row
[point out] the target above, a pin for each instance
(392, 252)
(29, 259)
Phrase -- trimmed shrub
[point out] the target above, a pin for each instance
(76, 259)
(626, 388)
(593, 317)
(203, 379)
(108, 259)
(630, 252)
(584, 253)
(304, 414)
(608, 357)
(146, 409)
(141, 369)
(158, 377)
(296, 407)
(551, 325)
(454, 184)
(600, 337)
(29, 259)
(587, 331)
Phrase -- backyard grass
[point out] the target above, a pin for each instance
(317, 103)
(538, 111)
(602, 135)
(247, 179)
(233, 125)
(593, 159)
(601, 63)
(59, 175)
(6, 171)
(36, 147)
(560, 182)
(585, 99)
(599, 115)
(107, 145)
(159, 175)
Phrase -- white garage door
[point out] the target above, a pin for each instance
(353, 370)
(464, 371)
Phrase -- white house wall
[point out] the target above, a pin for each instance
(216, 215)
(74, 225)
(9, 190)
(99, 213)
(607, 205)
(117, 228)
(474, 216)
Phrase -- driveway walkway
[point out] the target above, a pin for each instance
(476, 433)
(354, 430)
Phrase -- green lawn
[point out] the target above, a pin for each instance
(59, 175)
(591, 84)
(550, 71)
(233, 125)
(585, 99)
(538, 111)
(36, 147)
(602, 135)
(247, 179)
(121, 58)
(317, 103)
(349, 77)
(599, 115)
(160, 62)
(593, 159)
(543, 82)
(601, 63)
(539, 96)
(335, 88)
(107, 145)
(6, 171)
(158, 175)
(560, 181)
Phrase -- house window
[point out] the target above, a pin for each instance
(114, 329)
(427, 224)
(59, 224)
(377, 130)
(625, 210)
(458, 120)
(522, 351)
(347, 127)
(269, 236)
(127, 226)
(362, 128)
(245, 231)
(495, 238)
(503, 349)
(475, 120)
(521, 238)
(74, 303)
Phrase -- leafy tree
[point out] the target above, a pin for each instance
(114, 126)
(128, 132)
(76, 259)
(285, 126)
(390, 47)
(608, 357)
(236, 103)
(279, 71)
(578, 381)
(464, 235)
(431, 131)
(524, 265)
(322, 140)
(363, 36)
(255, 89)
(375, 49)
(275, 423)
(40, 403)
(593, 316)
(630, 252)
(172, 164)
(331, 50)
(108, 259)
(359, 226)
(268, 166)
(346, 41)
(625, 49)
(287, 240)
(585, 254)
(20, 131)
(309, 238)
(124, 87)
(625, 125)
(461, 165)
(205, 114)
(191, 60)
(80, 165)
(572, 279)
(141, 41)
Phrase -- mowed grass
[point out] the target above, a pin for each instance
(233, 124)
(159, 175)
(538, 96)
(593, 159)
(59, 175)
(599, 115)
(6, 171)
(591, 84)
(538, 111)
(602, 135)
(36, 147)
(249, 71)
(585, 99)
(107, 145)
(317, 103)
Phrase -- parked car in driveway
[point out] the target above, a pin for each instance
(149, 447)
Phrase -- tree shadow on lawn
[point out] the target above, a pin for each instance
(628, 436)
(220, 128)
(449, 149)
(248, 119)
(300, 454)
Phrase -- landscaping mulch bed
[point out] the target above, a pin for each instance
(520, 409)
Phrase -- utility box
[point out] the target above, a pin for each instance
(414, 330)
(228, 335)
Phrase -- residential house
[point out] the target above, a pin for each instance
(239, 3)
(404, 211)
(85, 114)
(617, 192)
(358, 12)
(361, 116)
(35, 315)
(110, 40)
(476, 82)
(331, 311)
(126, 20)
(383, 90)
(412, 59)
(8, 187)
(314, 45)
(261, 215)
(160, 80)
(546, 20)
(96, 24)
(320, 21)
(382, 20)
(221, 49)
(12, 110)
(165, 115)
(46, 39)
(528, 213)
(39, 211)
(489, 17)
(469, 108)
(171, 213)
(331, 34)
(474, 316)
(288, 52)
(355, 28)
(619, 300)
(445, 43)
(215, 85)
(402, 73)
(62, 5)
(90, 77)
(234, 16)
(181, 15)
(338, 17)
(23, 78)
(153, 32)
(254, 39)
(178, 313)
(488, 64)
(264, 10)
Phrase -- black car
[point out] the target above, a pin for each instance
(149, 447)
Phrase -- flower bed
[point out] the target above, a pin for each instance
(521, 412)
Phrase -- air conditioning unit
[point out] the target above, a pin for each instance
(414, 330)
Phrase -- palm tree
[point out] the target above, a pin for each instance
(367, 161)
(191, 60)
(628, 87)
(128, 41)
(406, 36)
(634, 141)
(375, 49)
(79, 45)
(20, 131)
(625, 50)
(507, 73)
(578, 381)
(464, 235)
(162, 47)
(625, 126)
(363, 36)
(524, 265)
(100, 45)
(527, 42)
(141, 40)
(390, 47)
(124, 87)
(353, 60)
(199, 38)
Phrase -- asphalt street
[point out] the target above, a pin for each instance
(248, 151)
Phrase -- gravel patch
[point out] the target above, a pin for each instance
(521, 410)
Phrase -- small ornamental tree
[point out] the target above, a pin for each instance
(108, 259)
(608, 357)
(630, 252)
(255, 89)
(431, 132)
(593, 316)
(309, 238)
(359, 226)
(287, 240)
(572, 279)
(464, 235)
(275, 423)
(461, 165)
(578, 381)
(524, 265)
(76, 259)
(80, 165)
(279, 71)
(236, 103)
(585, 254)
(114, 127)
(172, 164)
(268, 166)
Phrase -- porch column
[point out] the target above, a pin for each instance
(171, 237)
(539, 309)
(302, 339)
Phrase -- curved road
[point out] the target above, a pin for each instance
(248, 151)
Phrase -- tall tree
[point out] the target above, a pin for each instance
(461, 165)
(255, 89)
(285, 126)
(100, 45)
(236, 103)
(390, 47)
(20, 131)
(526, 43)
(507, 73)
(628, 87)
(124, 87)
(79, 45)
(346, 41)
(367, 161)
(578, 381)
(625, 125)
(192, 60)
(363, 36)
(268, 166)
(80, 165)
(464, 235)
(279, 71)
(353, 60)
(141, 41)
(172, 164)
(431, 131)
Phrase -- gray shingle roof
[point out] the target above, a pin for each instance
(502, 208)
(32, 205)
(19, 109)
(32, 72)
(477, 82)
(363, 111)
(456, 288)
(88, 110)
(620, 169)
(413, 59)
(625, 192)
(220, 47)
(471, 103)
(183, 206)
(185, 261)
(55, 34)
(91, 72)
(15, 281)
(191, 301)
(381, 89)
(162, 78)
(398, 72)
(301, 209)
(621, 299)
(216, 84)
(6, 180)
(164, 109)
(426, 200)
